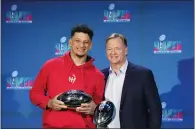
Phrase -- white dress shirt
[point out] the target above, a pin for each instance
(113, 91)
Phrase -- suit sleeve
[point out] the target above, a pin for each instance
(37, 93)
(153, 102)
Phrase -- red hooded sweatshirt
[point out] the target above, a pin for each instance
(59, 75)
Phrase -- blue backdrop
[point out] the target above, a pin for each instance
(160, 36)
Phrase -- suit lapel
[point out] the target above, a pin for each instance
(127, 82)
(106, 74)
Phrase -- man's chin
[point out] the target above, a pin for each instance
(114, 62)
(81, 55)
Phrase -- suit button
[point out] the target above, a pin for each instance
(120, 110)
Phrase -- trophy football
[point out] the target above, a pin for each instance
(74, 98)
(104, 114)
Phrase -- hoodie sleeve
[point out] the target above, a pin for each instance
(99, 90)
(38, 92)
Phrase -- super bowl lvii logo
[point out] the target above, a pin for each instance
(113, 15)
(62, 47)
(17, 82)
(15, 16)
(171, 114)
(163, 46)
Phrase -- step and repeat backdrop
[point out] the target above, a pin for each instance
(160, 36)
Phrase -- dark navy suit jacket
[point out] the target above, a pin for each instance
(140, 106)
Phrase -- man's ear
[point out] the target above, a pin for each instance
(90, 45)
(126, 50)
(70, 42)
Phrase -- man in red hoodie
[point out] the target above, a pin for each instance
(74, 70)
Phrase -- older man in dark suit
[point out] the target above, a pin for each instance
(131, 88)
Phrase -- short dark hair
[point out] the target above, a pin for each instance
(82, 28)
(115, 35)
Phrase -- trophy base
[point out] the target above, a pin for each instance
(102, 127)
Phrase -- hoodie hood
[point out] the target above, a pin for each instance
(88, 63)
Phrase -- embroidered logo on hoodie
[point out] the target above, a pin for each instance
(72, 78)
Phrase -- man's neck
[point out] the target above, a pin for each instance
(78, 60)
(116, 67)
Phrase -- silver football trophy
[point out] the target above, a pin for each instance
(104, 114)
(74, 98)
